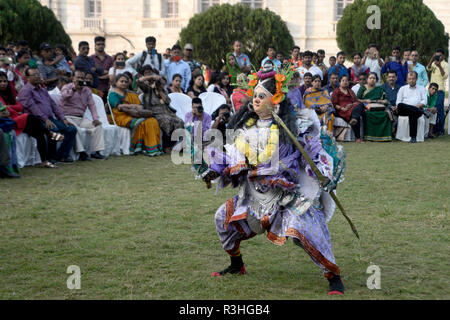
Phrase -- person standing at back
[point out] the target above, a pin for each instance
(148, 57)
(242, 59)
(439, 75)
(177, 66)
(106, 62)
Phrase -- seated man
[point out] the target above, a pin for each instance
(431, 106)
(307, 82)
(411, 100)
(36, 100)
(197, 122)
(334, 83)
(75, 98)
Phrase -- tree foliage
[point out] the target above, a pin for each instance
(408, 24)
(213, 32)
(29, 20)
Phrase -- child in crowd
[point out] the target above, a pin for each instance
(431, 106)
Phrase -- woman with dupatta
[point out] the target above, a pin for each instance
(233, 68)
(272, 178)
(129, 113)
(377, 126)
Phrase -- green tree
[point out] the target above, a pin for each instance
(29, 20)
(407, 24)
(213, 32)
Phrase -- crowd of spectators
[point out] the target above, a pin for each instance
(371, 93)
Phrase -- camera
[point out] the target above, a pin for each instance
(437, 58)
(82, 83)
(200, 109)
(120, 63)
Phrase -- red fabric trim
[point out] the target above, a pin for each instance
(265, 222)
(241, 216)
(229, 209)
(312, 251)
(276, 239)
(281, 182)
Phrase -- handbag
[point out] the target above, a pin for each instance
(374, 106)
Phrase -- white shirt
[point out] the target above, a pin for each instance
(9, 73)
(355, 88)
(119, 71)
(374, 66)
(412, 96)
(150, 60)
(313, 70)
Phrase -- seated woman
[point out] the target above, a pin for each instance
(25, 122)
(240, 96)
(232, 67)
(196, 86)
(175, 86)
(128, 112)
(319, 100)
(223, 86)
(377, 125)
(157, 101)
(348, 107)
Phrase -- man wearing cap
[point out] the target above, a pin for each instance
(48, 72)
(187, 57)
(148, 57)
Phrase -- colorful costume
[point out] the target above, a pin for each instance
(278, 192)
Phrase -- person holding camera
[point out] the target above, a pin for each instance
(221, 118)
(439, 74)
(119, 67)
(157, 101)
(197, 122)
(76, 97)
(373, 61)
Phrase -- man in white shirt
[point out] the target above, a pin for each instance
(149, 57)
(373, 61)
(411, 100)
(307, 66)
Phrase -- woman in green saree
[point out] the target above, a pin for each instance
(377, 125)
(232, 67)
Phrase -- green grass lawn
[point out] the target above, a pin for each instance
(143, 228)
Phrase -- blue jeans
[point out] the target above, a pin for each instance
(69, 133)
(440, 122)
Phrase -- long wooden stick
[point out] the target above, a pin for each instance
(323, 180)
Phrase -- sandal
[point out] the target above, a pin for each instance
(56, 136)
(48, 164)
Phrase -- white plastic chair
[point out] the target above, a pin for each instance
(233, 109)
(124, 135)
(211, 101)
(110, 132)
(27, 152)
(182, 103)
(403, 129)
(350, 135)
